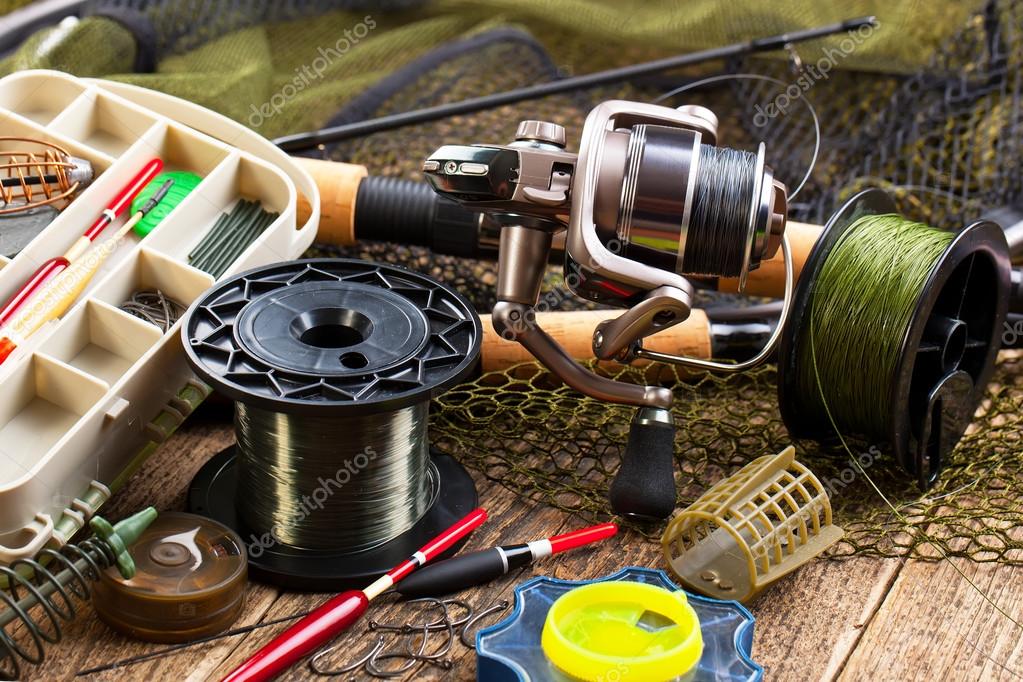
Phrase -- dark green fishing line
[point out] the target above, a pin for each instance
(860, 311)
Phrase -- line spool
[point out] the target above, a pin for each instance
(331, 364)
(897, 346)
(732, 220)
(189, 582)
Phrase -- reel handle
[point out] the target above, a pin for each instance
(644, 488)
(356, 206)
(645, 484)
(521, 267)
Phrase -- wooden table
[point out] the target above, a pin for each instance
(854, 619)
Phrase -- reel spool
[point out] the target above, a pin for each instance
(944, 358)
(668, 198)
(189, 582)
(332, 364)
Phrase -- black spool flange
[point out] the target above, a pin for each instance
(212, 494)
(330, 337)
(947, 354)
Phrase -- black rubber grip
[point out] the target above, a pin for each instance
(451, 575)
(412, 214)
(645, 485)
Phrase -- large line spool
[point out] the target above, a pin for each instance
(331, 364)
(944, 356)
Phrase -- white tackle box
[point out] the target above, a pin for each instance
(88, 397)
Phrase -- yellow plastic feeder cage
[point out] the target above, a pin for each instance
(750, 529)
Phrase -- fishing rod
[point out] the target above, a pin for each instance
(355, 206)
(310, 140)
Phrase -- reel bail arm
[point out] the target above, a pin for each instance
(645, 484)
(521, 265)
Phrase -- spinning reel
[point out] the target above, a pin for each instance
(648, 200)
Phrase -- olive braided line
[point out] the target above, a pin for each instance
(860, 310)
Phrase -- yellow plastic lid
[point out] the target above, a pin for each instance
(623, 631)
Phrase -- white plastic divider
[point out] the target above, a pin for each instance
(182, 149)
(14, 125)
(150, 270)
(178, 234)
(256, 178)
(102, 340)
(238, 177)
(43, 401)
(38, 96)
(102, 122)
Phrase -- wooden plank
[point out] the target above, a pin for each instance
(935, 625)
(807, 625)
(809, 622)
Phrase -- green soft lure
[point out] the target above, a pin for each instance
(184, 183)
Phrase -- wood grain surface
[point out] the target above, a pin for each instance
(851, 619)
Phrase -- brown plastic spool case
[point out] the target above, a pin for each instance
(748, 530)
(189, 582)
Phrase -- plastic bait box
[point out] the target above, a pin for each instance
(87, 397)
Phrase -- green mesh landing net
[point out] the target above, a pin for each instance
(928, 107)
(499, 424)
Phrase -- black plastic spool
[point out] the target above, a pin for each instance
(330, 337)
(946, 357)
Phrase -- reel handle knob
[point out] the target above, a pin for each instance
(543, 132)
(645, 485)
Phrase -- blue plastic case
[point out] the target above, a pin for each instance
(510, 650)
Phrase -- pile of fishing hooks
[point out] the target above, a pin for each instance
(412, 645)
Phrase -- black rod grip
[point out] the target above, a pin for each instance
(452, 575)
(412, 214)
(645, 485)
